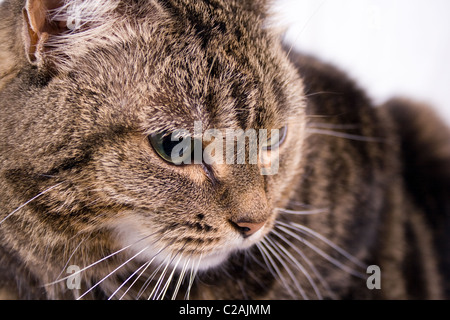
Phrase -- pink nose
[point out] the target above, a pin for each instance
(248, 228)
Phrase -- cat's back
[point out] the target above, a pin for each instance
(416, 155)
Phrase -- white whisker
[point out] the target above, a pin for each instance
(147, 264)
(305, 26)
(128, 279)
(169, 280)
(112, 272)
(70, 257)
(193, 274)
(275, 267)
(31, 200)
(181, 277)
(331, 244)
(302, 212)
(142, 272)
(321, 125)
(322, 92)
(274, 248)
(160, 279)
(266, 261)
(150, 279)
(344, 135)
(323, 254)
(296, 263)
(97, 262)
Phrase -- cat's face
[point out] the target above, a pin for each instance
(190, 210)
(106, 175)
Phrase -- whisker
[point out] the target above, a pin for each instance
(275, 267)
(242, 288)
(128, 279)
(300, 266)
(31, 200)
(322, 92)
(112, 272)
(330, 243)
(193, 274)
(181, 277)
(254, 258)
(323, 254)
(169, 280)
(150, 279)
(147, 265)
(305, 26)
(274, 248)
(260, 263)
(266, 261)
(85, 268)
(137, 278)
(302, 212)
(318, 125)
(344, 135)
(70, 257)
(160, 279)
(297, 264)
(98, 261)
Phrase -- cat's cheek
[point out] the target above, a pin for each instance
(138, 239)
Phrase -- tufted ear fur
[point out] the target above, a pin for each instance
(39, 25)
(56, 31)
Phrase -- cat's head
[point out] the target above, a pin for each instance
(119, 78)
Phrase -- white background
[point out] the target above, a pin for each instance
(391, 47)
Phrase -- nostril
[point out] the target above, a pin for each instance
(237, 227)
(244, 230)
(248, 228)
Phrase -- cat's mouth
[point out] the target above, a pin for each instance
(185, 255)
(220, 255)
(205, 258)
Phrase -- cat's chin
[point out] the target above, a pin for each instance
(143, 248)
(217, 258)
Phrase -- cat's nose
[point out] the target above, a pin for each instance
(248, 228)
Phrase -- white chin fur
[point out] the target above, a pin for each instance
(132, 235)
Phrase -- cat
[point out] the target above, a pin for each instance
(93, 206)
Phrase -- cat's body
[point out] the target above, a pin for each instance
(80, 184)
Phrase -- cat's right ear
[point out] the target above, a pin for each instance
(39, 26)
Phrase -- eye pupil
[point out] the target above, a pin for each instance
(175, 151)
(168, 145)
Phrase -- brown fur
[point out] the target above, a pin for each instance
(74, 121)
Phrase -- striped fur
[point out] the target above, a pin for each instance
(81, 185)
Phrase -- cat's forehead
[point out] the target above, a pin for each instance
(213, 67)
(215, 89)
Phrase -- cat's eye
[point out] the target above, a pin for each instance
(275, 140)
(175, 151)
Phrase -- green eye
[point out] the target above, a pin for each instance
(173, 150)
(275, 140)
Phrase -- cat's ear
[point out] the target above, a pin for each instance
(58, 32)
(39, 25)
